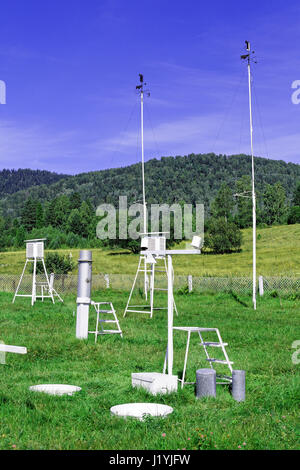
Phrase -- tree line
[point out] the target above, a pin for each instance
(195, 178)
(69, 220)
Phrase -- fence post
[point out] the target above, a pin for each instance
(106, 277)
(261, 285)
(190, 282)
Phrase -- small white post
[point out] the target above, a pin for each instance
(261, 285)
(106, 277)
(190, 282)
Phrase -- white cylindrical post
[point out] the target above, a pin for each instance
(261, 285)
(83, 293)
(190, 282)
(170, 315)
(106, 277)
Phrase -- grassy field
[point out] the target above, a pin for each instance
(278, 253)
(259, 342)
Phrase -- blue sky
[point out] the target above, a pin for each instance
(71, 68)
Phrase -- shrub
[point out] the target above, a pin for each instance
(56, 263)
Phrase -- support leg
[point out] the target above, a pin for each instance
(133, 286)
(33, 293)
(152, 290)
(20, 281)
(48, 283)
(175, 308)
(185, 359)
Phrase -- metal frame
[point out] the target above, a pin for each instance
(219, 344)
(100, 321)
(142, 268)
(34, 258)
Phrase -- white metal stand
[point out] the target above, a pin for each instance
(156, 382)
(35, 253)
(148, 269)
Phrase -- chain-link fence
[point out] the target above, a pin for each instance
(67, 283)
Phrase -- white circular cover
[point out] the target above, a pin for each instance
(140, 410)
(55, 389)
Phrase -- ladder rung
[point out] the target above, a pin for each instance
(213, 345)
(108, 321)
(159, 288)
(219, 361)
(109, 332)
(105, 311)
(227, 377)
(139, 306)
(138, 311)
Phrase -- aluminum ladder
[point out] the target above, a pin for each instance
(222, 379)
(100, 321)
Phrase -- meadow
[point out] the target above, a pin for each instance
(260, 342)
(278, 253)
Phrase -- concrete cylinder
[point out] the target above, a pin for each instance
(84, 286)
(238, 389)
(205, 383)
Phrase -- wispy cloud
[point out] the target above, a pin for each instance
(35, 147)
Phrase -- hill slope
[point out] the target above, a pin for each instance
(192, 178)
(278, 253)
(12, 181)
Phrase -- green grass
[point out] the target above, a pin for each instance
(278, 253)
(259, 342)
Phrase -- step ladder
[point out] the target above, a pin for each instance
(100, 321)
(222, 379)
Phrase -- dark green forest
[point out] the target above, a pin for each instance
(62, 208)
(12, 181)
(192, 178)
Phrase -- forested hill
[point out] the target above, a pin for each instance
(192, 178)
(12, 181)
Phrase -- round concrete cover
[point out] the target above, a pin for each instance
(140, 410)
(55, 389)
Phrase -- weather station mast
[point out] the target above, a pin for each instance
(249, 58)
(141, 90)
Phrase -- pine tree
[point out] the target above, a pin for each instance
(223, 204)
(28, 217)
(274, 204)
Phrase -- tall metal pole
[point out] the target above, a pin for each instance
(253, 180)
(140, 88)
(143, 160)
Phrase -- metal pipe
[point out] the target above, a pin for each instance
(84, 285)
